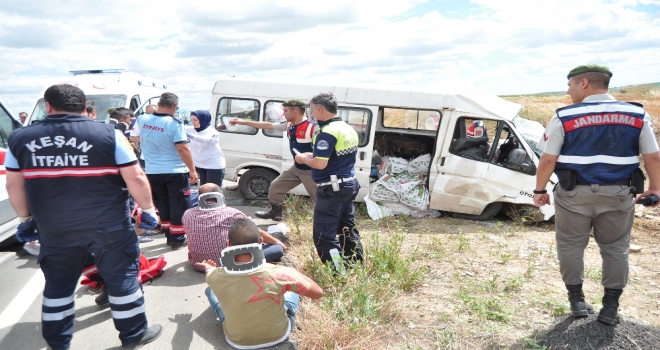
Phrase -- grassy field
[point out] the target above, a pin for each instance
(541, 107)
(448, 283)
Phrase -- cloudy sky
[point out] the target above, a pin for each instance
(504, 46)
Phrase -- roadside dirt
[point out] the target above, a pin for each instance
(496, 285)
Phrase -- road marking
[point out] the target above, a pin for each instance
(6, 256)
(23, 300)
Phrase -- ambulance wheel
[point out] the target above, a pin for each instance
(255, 182)
(488, 213)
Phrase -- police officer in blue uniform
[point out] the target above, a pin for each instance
(68, 179)
(333, 169)
(594, 146)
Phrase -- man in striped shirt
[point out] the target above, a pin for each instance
(207, 227)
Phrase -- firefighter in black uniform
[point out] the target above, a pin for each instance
(68, 179)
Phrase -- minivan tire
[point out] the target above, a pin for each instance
(488, 213)
(255, 182)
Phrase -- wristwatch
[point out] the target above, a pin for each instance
(541, 191)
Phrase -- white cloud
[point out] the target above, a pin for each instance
(503, 47)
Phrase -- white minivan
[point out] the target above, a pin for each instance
(472, 173)
(108, 88)
(8, 217)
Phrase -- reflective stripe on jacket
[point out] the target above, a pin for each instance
(601, 142)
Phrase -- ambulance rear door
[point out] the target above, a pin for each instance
(8, 217)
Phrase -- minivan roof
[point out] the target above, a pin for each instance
(466, 100)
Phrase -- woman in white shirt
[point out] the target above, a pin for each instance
(207, 155)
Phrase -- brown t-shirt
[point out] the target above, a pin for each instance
(253, 303)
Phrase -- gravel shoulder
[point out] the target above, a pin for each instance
(496, 285)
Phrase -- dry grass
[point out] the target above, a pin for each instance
(492, 285)
(541, 107)
(358, 307)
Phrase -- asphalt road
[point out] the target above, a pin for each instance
(175, 300)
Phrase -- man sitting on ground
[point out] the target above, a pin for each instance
(256, 301)
(208, 224)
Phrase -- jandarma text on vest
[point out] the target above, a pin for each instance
(603, 119)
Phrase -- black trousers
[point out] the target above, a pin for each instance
(215, 176)
(171, 195)
(62, 258)
(334, 224)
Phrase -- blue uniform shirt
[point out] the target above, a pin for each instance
(159, 134)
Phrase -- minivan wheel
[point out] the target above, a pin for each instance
(488, 213)
(255, 182)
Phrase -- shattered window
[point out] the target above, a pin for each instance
(415, 119)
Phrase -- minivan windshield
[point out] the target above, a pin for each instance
(101, 103)
(531, 131)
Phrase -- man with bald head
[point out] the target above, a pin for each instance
(150, 109)
(23, 117)
(207, 227)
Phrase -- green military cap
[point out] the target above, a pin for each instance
(294, 103)
(589, 68)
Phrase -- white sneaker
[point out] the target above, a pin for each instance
(32, 248)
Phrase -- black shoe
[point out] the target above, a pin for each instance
(176, 245)
(59, 348)
(579, 307)
(102, 298)
(610, 312)
(275, 213)
(148, 336)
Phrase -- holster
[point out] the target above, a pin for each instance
(334, 182)
(637, 182)
(567, 179)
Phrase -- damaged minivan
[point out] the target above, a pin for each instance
(462, 151)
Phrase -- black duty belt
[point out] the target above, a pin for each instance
(625, 182)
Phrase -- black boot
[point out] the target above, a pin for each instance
(102, 298)
(147, 336)
(579, 307)
(610, 312)
(275, 213)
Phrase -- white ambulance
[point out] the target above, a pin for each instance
(108, 88)
(8, 217)
(472, 172)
